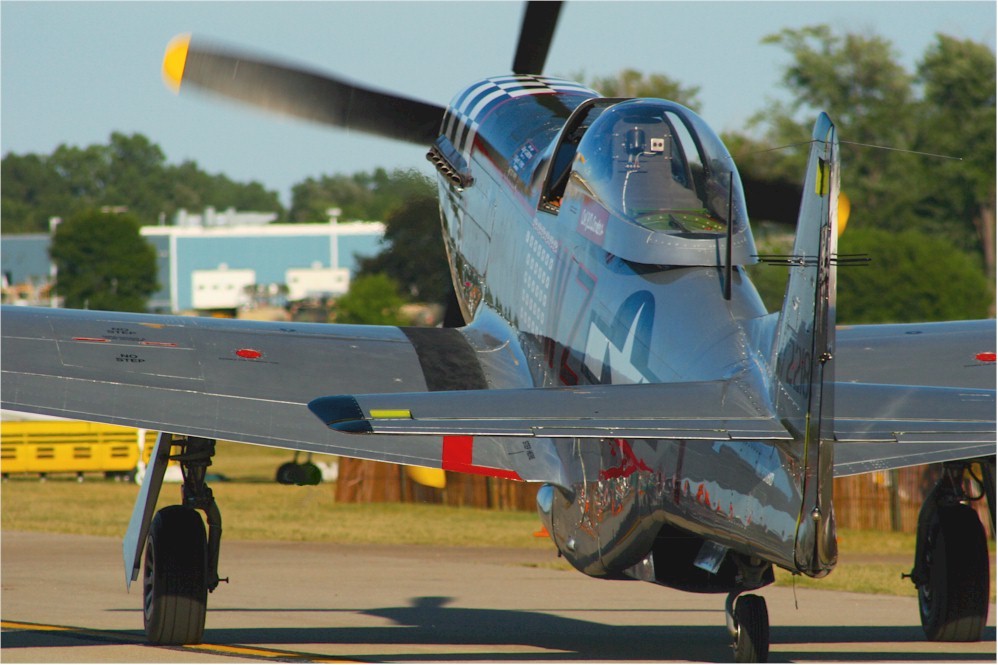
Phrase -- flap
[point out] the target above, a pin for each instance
(710, 410)
(880, 427)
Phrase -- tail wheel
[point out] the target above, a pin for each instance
(752, 630)
(175, 580)
(953, 601)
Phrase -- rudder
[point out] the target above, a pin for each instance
(803, 348)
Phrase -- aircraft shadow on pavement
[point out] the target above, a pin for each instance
(429, 621)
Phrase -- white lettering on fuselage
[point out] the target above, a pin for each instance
(592, 223)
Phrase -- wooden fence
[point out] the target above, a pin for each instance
(361, 482)
(890, 500)
(882, 501)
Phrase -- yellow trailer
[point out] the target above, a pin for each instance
(67, 446)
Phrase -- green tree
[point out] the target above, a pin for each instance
(770, 279)
(415, 256)
(129, 171)
(947, 108)
(103, 263)
(632, 83)
(32, 193)
(857, 80)
(311, 198)
(911, 277)
(957, 117)
(191, 188)
(373, 300)
(368, 196)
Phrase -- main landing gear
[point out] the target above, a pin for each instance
(181, 562)
(295, 473)
(748, 625)
(951, 568)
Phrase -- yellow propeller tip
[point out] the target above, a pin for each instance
(844, 209)
(175, 60)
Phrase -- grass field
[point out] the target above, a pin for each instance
(256, 508)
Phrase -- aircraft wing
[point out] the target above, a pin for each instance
(253, 382)
(875, 426)
(940, 406)
(950, 353)
(880, 427)
(709, 410)
(233, 380)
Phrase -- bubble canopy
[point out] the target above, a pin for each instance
(656, 164)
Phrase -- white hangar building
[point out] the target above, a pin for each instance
(209, 267)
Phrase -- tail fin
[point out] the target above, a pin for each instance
(803, 347)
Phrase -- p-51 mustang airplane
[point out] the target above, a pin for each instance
(615, 353)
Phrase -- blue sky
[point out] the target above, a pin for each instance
(73, 72)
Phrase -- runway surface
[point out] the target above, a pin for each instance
(64, 600)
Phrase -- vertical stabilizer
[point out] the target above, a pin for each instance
(803, 347)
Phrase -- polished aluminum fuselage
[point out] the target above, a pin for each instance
(583, 315)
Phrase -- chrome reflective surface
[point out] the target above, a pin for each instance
(600, 286)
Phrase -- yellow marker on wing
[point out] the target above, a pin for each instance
(377, 414)
(175, 60)
(419, 474)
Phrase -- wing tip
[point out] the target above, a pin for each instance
(341, 413)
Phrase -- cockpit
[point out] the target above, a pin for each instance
(667, 183)
(648, 161)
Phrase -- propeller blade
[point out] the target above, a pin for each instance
(536, 33)
(299, 93)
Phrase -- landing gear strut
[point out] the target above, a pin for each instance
(951, 568)
(181, 562)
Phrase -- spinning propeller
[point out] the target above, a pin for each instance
(328, 99)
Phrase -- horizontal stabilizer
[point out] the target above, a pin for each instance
(704, 410)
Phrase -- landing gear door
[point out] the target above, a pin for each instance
(145, 506)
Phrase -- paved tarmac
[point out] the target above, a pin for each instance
(63, 600)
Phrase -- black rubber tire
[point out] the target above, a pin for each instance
(953, 602)
(752, 623)
(175, 580)
(289, 473)
(310, 474)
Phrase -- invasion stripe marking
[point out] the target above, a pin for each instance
(457, 456)
(488, 99)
